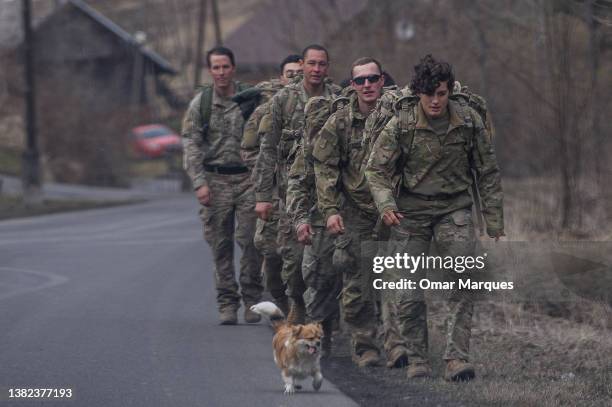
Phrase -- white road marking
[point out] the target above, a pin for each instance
(52, 281)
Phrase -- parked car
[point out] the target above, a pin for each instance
(154, 141)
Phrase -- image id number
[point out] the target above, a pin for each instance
(39, 393)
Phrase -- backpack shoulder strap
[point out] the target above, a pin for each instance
(380, 116)
(405, 110)
(339, 106)
(206, 103)
(292, 101)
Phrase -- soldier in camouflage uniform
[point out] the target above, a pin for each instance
(347, 205)
(434, 145)
(280, 130)
(266, 231)
(251, 139)
(223, 187)
(323, 282)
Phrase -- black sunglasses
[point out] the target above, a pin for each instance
(360, 80)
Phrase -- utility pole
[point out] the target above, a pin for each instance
(217, 23)
(30, 159)
(200, 42)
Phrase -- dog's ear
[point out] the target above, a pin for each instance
(319, 329)
(296, 330)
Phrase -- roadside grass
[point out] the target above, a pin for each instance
(10, 162)
(522, 358)
(155, 168)
(523, 355)
(14, 207)
(148, 168)
(527, 358)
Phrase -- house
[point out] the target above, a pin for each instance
(94, 80)
(79, 43)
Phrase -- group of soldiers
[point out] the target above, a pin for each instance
(308, 178)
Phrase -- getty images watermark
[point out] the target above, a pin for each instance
(406, 263)
(545, 271)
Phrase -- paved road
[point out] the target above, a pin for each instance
(118, 305)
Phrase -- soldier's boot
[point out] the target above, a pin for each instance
(326, 341)
(249, 316)
(397, 357)
(418, 369)
(228, 316)
(367, 358)
(458, 370)
(297, 313)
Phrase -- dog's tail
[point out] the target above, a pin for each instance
(270, 311)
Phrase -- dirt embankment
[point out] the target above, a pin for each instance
(522, 358)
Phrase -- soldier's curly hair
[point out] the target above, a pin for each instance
(428, 75)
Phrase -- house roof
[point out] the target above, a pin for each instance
(282, 27)
(12, 36)
(152, 56)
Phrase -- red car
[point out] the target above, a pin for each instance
(154, 141)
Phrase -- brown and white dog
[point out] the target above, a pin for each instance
(297, 348)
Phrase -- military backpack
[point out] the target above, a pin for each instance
(206, 102)
(401, 103)
(316, 112)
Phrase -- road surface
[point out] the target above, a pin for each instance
(118, 305)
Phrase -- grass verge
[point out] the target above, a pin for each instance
(14, 207)
(10, 162)
(522, 358)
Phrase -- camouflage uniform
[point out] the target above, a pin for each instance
(232, 204)
(339, 158)
(266, 231)
(280, 129)
(435, 202)
(323, 282)
(251, 138)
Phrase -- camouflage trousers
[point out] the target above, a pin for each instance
(231, 215)
(405, 311)
(291, 252)
(266, 233)
(323, 281)
(354, 251)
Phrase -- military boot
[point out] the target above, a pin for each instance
(418, 369)
(297, 313)
(326, 341)
(458, 370)
(228, 316)
(397, 357)
(367, 358)
(251, 317)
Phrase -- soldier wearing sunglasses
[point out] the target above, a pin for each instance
(339, 160)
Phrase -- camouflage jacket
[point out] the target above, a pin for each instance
(339, 159)
(251, 138)
(280, 129)
(221, 144)
(380, 116)
(436, 166)
(301, 201)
